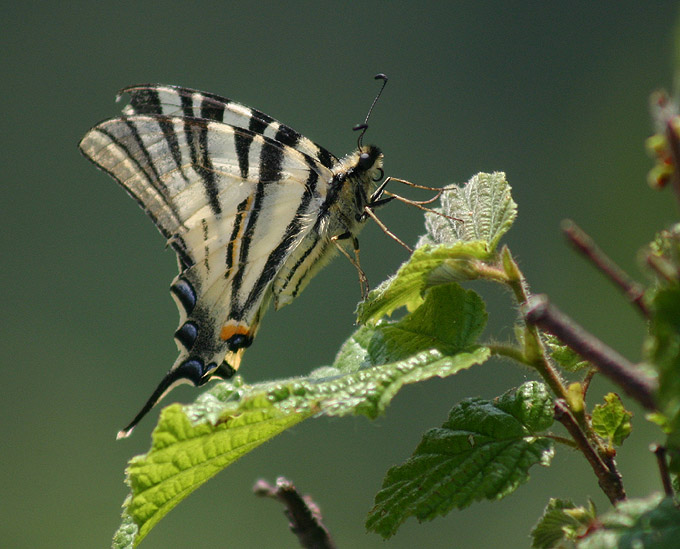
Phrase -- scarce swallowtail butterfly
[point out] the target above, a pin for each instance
(252, 208)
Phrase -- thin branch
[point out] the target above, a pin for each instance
(304, 515)
(539, 311)
(608, 478)
(660, 453)
(587, 246)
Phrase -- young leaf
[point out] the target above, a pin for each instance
(484, 207)
(450, 319)
(483, 451)
(562, 521)
(564, 356)
(452, 249)
(652, 522)
(406, 288)
(192, 443)
(611, 420)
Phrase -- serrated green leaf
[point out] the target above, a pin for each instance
(564, 356)
(483, 451)
(611, 420)
(353, 354)
(126, 535)
(183, 456)
(484, 207)
(192, 443)
(232, 418)
(452, 249)
(450, 319)
(408, 286)
(561, 524)
(653, 522)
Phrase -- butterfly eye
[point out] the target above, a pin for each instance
(365, 162)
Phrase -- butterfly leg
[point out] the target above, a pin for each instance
(363, 280)
(368, 211)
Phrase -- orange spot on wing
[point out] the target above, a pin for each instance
(231, 330)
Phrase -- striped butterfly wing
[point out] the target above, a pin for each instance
(179, 101)
(234, 204)
(251, 207)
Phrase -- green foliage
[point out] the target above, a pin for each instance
(653, 522)
(485, 210)
(453, 249)
(483, 451)
(562, 522)
(663, 342)
(611, 420)
(486, 447)
(564, 356)
(193, 443)
(184, 455)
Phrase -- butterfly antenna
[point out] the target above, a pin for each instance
(363, 127)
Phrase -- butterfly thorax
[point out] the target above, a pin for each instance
(340, 218)
(354, 178)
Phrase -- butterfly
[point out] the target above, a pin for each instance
(252, 208)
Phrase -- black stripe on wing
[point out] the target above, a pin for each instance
(146, 99)
(282, 251)
(152, 177)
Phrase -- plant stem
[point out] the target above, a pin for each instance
(587, 246)
(509, 351)
(563, 440)
(303, 514)
(660, 453)
(534, 354)
(608, 477)
(540, 312)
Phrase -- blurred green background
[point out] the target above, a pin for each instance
(554, 94)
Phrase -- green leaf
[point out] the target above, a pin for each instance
(193, 443)
(184, 455)
(450, 319)
(484, 207)
(653, 522)
(483, 451)
(564, 356)
(126, 535)
(452, 250)
(611, 420)
(562, 522)
(407, 287)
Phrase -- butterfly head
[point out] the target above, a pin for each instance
(364, 164)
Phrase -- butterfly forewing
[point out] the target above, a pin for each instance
(179, 101)
(249, 205)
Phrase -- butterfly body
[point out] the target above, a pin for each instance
(252, 208)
